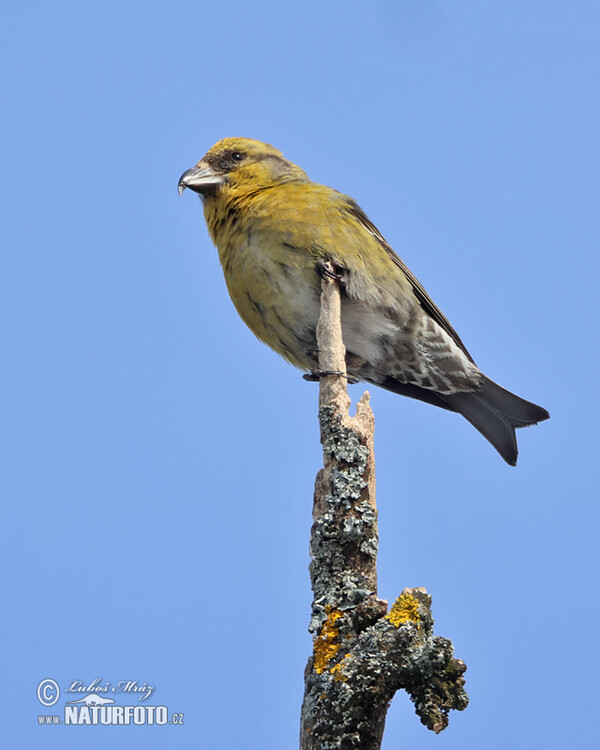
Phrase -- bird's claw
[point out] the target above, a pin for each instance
(327, 269)
(315, 375)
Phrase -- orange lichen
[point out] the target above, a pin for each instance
(404, 609)
(326, 643)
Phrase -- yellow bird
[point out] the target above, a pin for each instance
(274, 228)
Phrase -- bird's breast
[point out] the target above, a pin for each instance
(276, 293)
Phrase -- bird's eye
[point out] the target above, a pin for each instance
(237, 156)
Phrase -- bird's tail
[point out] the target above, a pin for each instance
(496, 412)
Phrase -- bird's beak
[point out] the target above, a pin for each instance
(201, 179)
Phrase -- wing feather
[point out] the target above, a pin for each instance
(425, 300)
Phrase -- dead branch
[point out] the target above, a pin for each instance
(362, 653)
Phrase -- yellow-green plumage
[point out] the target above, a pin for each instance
(272, 226)
(269, 246)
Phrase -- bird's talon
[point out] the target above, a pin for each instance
(312, 376)
(315, 375)
(329, 270)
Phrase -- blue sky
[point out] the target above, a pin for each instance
(158, 461)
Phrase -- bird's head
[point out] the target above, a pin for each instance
(237, 166)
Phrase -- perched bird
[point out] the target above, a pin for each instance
(274, 228)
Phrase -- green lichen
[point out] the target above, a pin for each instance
(336, 670)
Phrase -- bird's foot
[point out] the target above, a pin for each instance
(315, 375)
(327, 269)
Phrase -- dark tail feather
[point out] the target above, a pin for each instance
(496, 412)
(519, 412)
(492, 410)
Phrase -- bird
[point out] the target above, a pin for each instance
(275, 230)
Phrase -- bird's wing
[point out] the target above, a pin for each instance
(425, 300)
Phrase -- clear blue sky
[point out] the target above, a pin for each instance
(158, 461)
